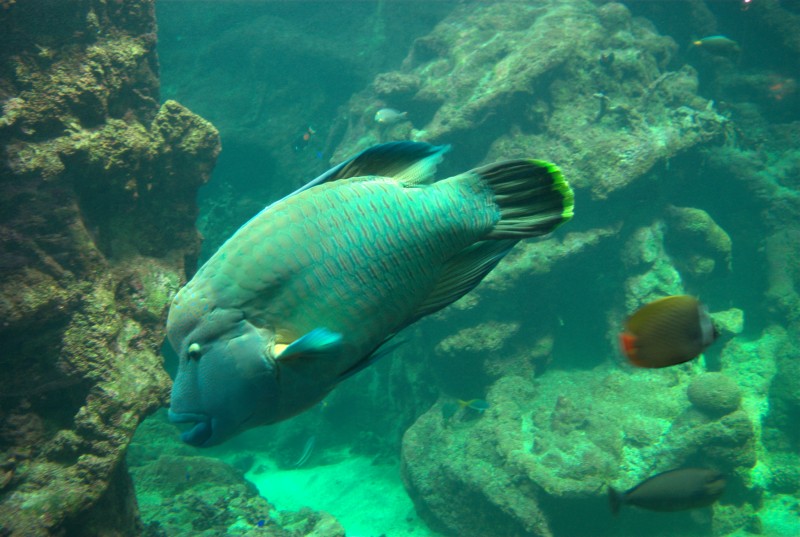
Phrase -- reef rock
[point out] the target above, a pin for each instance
(703, 244)
(97, 210)
(183, 496)
(547, 448)
(715, 394)
(588, 87)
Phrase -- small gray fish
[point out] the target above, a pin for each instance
(390, 116)
(674, 490)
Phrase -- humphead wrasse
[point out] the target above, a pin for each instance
(306, 293)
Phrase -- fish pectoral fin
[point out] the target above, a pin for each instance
(318, 342)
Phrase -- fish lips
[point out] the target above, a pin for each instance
(200, 434)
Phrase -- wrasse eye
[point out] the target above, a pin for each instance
(194, 351)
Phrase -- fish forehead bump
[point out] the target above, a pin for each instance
(184, 313)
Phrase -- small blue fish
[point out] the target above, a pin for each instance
(261, 523)
(310, 290)
(475, 404)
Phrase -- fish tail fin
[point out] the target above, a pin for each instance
(532, 195)
(614, 500)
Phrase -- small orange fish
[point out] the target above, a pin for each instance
(668, 331)
(302, 141)
(781, 88)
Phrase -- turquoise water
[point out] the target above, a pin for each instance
(685, 163)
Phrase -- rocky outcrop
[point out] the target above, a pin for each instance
(548, 448)
(97, 210)
(587, 87)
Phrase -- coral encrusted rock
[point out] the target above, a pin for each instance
(97, 208)
(715, 394)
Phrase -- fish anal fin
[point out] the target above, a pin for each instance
(462, 274)
(385, 348)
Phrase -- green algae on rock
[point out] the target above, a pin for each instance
(96, 234)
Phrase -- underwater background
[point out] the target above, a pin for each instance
(138, 136)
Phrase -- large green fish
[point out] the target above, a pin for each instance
(307, 292)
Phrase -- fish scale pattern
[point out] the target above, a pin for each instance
(329, 253)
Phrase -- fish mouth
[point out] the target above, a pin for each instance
(199, 434)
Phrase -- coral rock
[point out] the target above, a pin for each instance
(715, 394)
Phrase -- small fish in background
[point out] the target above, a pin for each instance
(674, 490)
(301, 142)
(718, 45)
(261, 523)
(667, 331)
(479, 405)
(451, 408)
(390, 116)
(781, 88)
(607, 59)
(308, 449)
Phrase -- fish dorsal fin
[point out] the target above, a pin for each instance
(411, 163)
(462, 273)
